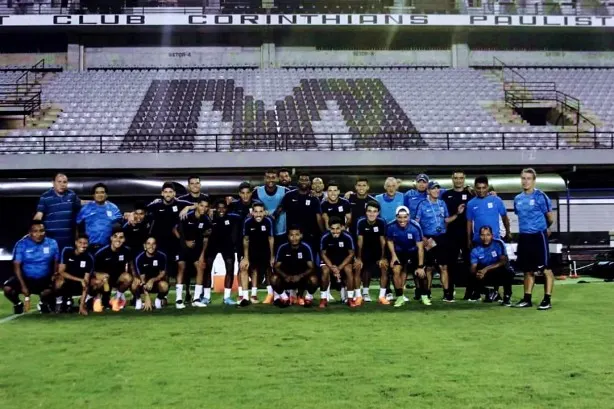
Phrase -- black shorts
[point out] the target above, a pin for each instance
(189, 255)
(533, 252)
(227, 254)
(35, 286)
(440, 254)
(72, 287)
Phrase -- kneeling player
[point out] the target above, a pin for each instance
(192, 232)
(404, 239)
(371, 250)
(294, 268)
(35, 260)
(150, 268)
(112, 266)
(258, 244)
(337, 251)
(489, 267)
(74, 274)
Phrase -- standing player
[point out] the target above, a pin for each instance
(136, 229)
(285, 179)
(371, 251)
(489, 266)
(335, 206)
(390, 200)
(534, 210)
(413, 197)
(258, 250)
(337, 255)
(150, 268)
(433, 217)
(192, 232)
(35, 261)
(224, 239)
(194, 194)
(358, 202)
(112, 264)
(404, 238)
(74, 274)
(58, 208)
(242, 207)
(294, 268)
(457, 230)
(317, 189)
(98, 217)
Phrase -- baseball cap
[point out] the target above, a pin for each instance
(422, 177)
(433, 184)
(401, 209)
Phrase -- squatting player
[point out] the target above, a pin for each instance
(150, 269)
(489, 267)
(258, 250)
(337, 252)
(371, 251)
(74, 274)
(35, 261)
(294, 268)
(534, 210)
(404, 238)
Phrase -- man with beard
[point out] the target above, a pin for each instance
(136, 229)
(285, 179)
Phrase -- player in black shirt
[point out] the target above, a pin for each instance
(224, 239)
(358, 202)
(150, 268)
(194, 195)
(192, 232)
(74, 273)
(371, 248)
(112, 265)
(136, 230)
(337, 252)
(243, 206)
(334, 206)
(294, 268)
(304, 211)
(457, 230)
(258, 244)
(285, 179)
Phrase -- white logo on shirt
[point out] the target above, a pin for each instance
(410, 236)
(263, 228)
(300, 256)
(175, 209)
(464, 197)
(341, 244)
(227, 222)
(489, 205)
(532, 202)
(46, 250)
(81, 264)
(155, 263)
(375, 229)
(307, 202)
(493, 253)
(121, 257)
(109, 213)
(340, 208)
(200, 225)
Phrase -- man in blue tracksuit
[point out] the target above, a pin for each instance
(489, 266)
(98, 218)
(534, 210)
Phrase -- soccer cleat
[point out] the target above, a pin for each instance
(254, 299)
(323, 303)
(199, 303)
(293, 300)
(497, 298)
(358, 301)
(389, 297)
(405, 298)
(179, 305)
(366, 298)
(281, 303)
(114, 305)
(523, 304)
(383, 301)
(244, 302)
(206, 300)
(229, 301)
(449, 299)
(399, 302)
(425, 300)
(308, 302)
(507, 301)
(352, 303)
(18, 308)
(121, 303)
(544, 305)
(269, 299)
(97, 306)
(475, 297)
(301, 301)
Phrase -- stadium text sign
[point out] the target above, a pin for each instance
(304, 20)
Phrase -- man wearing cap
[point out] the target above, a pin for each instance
(413, 197)
(404, 240)
(390, 200)
(433, 216)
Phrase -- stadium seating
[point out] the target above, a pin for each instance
(302, 109)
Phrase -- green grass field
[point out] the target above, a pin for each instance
(446, 356)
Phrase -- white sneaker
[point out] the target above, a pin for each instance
(179, 304)
(198, 303)
(405, 298)
(366, 298)
(139, 304)
(389, 297)
(158, 303)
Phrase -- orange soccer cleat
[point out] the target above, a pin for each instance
(301, 301)
(358, 301)
(98, 305)
(293, 300)
(352, 303)
(383, 301)
(323, 303)
(269, 299)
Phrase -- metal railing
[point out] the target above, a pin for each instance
(475, 141)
